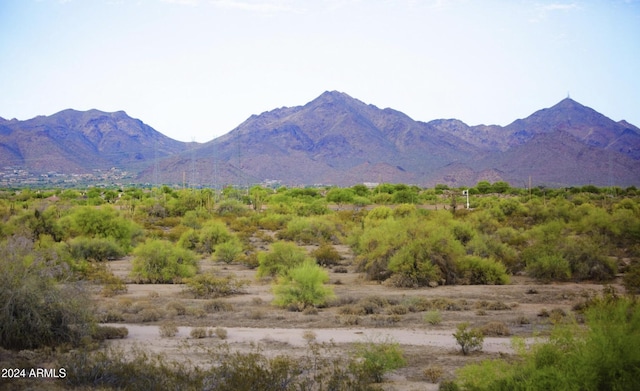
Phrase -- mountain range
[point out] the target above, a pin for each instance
(336, 139)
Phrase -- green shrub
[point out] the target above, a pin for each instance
(375, 359)
(35, 310)
(228, 251)
(303, 286)
(631, 279)
(96, 249)
(326, 255)
(208, 286)
(282, 257)
(433, 317)
(159, 261)
(602, 356)
(103, 222)
(100, 333)
(468, 339)
(549, 268)
(482, 271)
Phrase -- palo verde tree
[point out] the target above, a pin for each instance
(303, 286)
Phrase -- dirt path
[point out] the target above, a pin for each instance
(295, 337)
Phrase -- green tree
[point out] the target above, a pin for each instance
(303, 286)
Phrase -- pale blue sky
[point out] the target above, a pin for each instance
(195, 69)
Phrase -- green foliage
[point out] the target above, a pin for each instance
(469, 339)
(631, 279)
(303, 286)
(326, 255)
(205, 239)
(159, 261)
(208, 286)
(482, 271)
(96, 249)
(412, 263)
(309, 230)
(282, 257)
(604, 356)
(228, 251)
(549, 268)
(103, 222)
(433, 317)
(36, 311)
(378, 358)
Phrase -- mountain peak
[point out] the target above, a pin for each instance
(567, 103)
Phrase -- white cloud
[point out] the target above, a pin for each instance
(181, 2)
(559, 7)
(255, 6)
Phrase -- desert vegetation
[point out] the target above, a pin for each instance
(86, 277)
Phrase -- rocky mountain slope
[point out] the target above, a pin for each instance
(336, 139)
(79, 141)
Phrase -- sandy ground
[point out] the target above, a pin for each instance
(149, 334)
(251, 321)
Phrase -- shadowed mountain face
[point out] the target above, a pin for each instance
(77, 142)
(336, 139)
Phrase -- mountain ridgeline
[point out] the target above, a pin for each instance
(336, 139)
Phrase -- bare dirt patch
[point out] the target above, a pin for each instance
(362, 311)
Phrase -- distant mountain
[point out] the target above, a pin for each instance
(336, 139)
(79, 141)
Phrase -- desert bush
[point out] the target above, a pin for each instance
(221, 332)
(159, 261)
(433, 317)
(198, 332)
(326, 255)
(132, 370)
(36, 311)
(205, 239)
(309, 230)
(468, 339)
(168, 330)
(433, 373)
(96, 249)
(217, 306)
(228, 251)
(176, 307)
(282, 257)
(495, 329)
(100, 333)
(631, 279)
(103, 222)
(303, 285)
(482, 271)
(209, 286)
(602, 356)
(549, 268)
(150, 315)
(376, 358)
